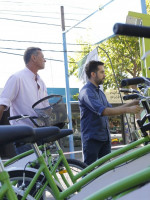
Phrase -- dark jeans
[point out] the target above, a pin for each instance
(22, 149)
(94, 149)
(7, 151)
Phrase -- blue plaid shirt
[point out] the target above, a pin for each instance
(92, 102)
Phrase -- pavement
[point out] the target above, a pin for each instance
(76, 154)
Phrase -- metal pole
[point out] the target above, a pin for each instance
(71, 143)
(143, 6)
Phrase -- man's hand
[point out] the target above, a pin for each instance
(2, 108)
(136, 102)
(132, 103)
(135, 109)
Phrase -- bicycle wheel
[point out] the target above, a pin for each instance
(19, 194)
(75, 165)
(22, 179)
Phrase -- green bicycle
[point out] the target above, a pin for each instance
(10, 134)
(93, 171)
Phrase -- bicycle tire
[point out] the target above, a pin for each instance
(19, 194)
(79, 164)
(18, 176)
(76, 166)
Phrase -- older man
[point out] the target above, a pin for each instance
(24, 88)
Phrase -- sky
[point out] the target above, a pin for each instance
(27, 23)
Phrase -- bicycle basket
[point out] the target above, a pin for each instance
(51, 111)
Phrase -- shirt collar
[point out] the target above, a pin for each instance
(31, 74)
(93, 86)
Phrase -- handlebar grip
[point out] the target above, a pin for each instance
(15, 117)
(131, 96)
(131, 30)
(128, 90)
(132, 81)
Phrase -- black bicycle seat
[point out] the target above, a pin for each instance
(20, 133)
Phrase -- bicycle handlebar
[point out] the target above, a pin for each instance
(131, 30)
(21, 117)
(133, 81)
(131, 96)
(14, 117)
(128, 90)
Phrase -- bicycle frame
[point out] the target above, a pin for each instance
(6, 187)
(89, 177)
(103, 169)
(100, 167)
(96, 173)
(122, 186)
(51, 175)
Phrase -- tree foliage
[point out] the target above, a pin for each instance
(120, 54)
(73, 66)
(148, 6)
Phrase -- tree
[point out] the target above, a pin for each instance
(120, 54)
(73, 66)
(148, 6)
(122, 58)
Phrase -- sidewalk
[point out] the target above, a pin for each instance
(78, 152)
